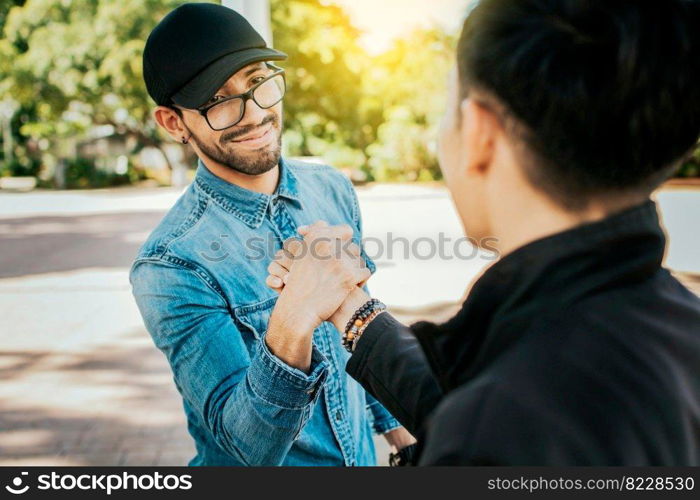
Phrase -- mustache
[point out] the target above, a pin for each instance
(234, 134)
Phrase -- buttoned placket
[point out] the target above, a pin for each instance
(335, 395)
(285, 228)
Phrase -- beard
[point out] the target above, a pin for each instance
(250, 163)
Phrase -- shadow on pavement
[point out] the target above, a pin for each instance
(42, 244)
(112, 403)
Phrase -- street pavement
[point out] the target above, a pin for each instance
(80, 381)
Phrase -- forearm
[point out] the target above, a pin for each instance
(390, 365)
(289, 335)
(237, 394)
(399, 438)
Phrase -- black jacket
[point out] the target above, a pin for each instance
(576, 349)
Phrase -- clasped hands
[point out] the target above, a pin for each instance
(319, 276)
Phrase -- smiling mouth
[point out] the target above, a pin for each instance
(256, 135)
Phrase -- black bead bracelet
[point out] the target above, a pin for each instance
(357, 324)
(367, 306)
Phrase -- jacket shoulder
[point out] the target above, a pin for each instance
(180, 219)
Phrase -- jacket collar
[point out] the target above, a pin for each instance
(248, 206)
(539, 279)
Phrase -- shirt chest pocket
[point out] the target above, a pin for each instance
(252, 320)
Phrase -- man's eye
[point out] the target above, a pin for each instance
(257, 79)
(215, 98)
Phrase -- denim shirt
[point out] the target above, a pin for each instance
(199, 282)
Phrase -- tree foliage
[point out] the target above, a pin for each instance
(74, 67)
(377, 113)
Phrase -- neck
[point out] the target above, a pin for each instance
(265, 183)
(540, 217)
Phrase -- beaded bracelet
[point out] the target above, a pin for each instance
(362, 311)
(359, 321)
(364, 326)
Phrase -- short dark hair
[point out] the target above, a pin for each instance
(606, 92)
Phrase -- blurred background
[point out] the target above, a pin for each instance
(85, 175)
(365, 89)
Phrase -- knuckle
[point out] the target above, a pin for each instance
(291, 244)
(317, 226)
(294, 245)
(311, 234)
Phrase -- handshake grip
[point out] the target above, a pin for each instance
(316, 273)
(319, 242)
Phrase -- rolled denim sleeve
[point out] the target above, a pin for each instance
(382, 420)
(284, 386)
(239, 396)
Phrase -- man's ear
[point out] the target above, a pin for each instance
(171, 122)
(479, 129)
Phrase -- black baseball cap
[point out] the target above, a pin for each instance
(191, 53)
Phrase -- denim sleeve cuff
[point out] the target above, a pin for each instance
(282, 385)
(383, 421)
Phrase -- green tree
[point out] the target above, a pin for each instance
(408, 86)
(324, 72)
(375, 113)
(77, 65)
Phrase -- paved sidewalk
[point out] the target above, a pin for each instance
(80, 381)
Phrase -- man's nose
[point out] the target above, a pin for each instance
(252, 114)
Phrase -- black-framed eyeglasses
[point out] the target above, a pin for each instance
(227, 112)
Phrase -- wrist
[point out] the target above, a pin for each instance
(293, 317)
(289, 336)
(352, 303)
(399, 438)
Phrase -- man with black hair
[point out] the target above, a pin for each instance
(577, 347)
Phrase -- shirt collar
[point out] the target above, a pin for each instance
(249, 206)
(541, 278)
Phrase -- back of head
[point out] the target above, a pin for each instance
(603, 94)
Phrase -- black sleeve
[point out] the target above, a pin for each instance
(389, 363)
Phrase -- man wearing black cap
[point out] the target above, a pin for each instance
(261, 384)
